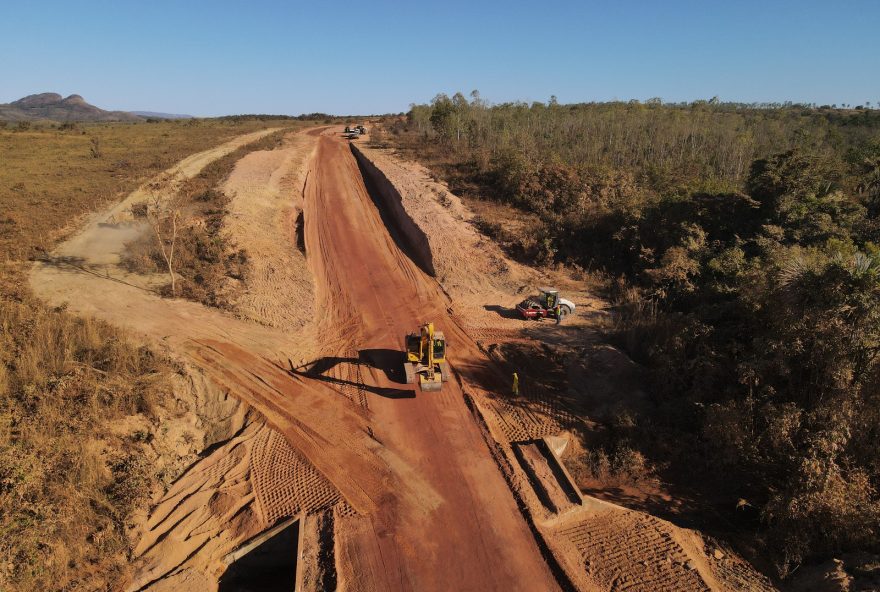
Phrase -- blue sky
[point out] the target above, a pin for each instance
(221, 57)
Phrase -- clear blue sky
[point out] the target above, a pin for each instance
(264, 56)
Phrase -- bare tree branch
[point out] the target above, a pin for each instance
(159, 215)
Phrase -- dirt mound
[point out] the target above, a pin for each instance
(203, 516)
(629, 551)
(265, 214)
(466, 263)
(622, 549)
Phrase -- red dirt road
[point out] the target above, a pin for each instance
(460, 528)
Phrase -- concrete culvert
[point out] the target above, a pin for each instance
(266, 564)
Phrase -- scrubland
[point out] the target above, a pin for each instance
(739, 247)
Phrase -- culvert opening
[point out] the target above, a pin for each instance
(406, 234)
(267, 565)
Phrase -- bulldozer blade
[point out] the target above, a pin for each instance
(410, 372)
(431, 385)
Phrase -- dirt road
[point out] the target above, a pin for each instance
(462, 530)
(430, 509)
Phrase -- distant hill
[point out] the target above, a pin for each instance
(52, 106)
(154, 115)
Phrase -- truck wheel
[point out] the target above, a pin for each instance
(564, 311)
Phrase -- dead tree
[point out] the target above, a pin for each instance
(167, 216)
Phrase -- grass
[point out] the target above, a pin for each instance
(50, 176)
(67, 484)
(69, 480)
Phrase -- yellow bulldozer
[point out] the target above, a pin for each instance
(426, 358)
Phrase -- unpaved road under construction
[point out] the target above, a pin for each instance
(460, 528)
(429, 507)
(397, 489)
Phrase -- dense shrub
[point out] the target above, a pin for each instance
(744, 239)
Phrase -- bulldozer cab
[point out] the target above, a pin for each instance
(414, 347)
(426, 346)
(439, 347)
(549, 297)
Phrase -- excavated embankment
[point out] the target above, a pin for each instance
(408, 236)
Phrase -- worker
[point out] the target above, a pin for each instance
(557, 310)
(515, 384)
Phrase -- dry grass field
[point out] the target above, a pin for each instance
(69, 479)
(51, 176)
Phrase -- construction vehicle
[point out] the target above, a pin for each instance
(545, 305)
(426, 358)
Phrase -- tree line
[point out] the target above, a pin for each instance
(742, 246)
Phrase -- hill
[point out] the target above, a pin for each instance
(53, 107)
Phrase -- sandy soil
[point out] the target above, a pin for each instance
(266, 190)
(424, 489)
(97, 247)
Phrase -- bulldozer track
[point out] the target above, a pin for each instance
(519, 423)
(350, 379)
(549, 402)
(285, 484)
(629, 551)
(536, 413)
